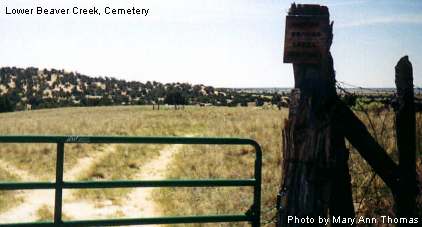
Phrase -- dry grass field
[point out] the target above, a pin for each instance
(37, 161)
(93, 162)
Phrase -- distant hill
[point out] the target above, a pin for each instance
(33, 88)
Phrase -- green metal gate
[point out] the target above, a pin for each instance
(252, 216)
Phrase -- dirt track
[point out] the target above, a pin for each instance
(138, 203)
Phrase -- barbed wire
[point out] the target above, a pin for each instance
(377, 90)
(367, 189)
(342, 84)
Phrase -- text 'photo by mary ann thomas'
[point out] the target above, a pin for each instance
(383, 219)
(39, 10)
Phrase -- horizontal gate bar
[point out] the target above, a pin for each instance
(127, 139)
(252, 217)
(128, 184)
(29, 224)
(144, 221)
(26, 185)
(162, 183)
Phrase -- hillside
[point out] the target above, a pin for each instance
(33, 88)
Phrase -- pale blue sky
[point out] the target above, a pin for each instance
(235, 43)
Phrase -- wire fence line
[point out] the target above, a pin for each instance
(371, 197)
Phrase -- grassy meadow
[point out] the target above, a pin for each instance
(39, 160)
(7, 198)
(196, 161)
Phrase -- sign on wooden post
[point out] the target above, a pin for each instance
(307, 34)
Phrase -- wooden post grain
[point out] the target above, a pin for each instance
(316, 178)
(315, 172)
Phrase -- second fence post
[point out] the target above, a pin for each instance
(406, 139)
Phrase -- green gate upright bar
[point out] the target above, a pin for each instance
(59, 184)
(252, 216)
(257, 188)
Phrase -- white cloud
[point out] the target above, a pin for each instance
(397, 19)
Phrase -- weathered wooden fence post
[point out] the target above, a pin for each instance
(314, 153)
(316, 178)
(406, 139)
